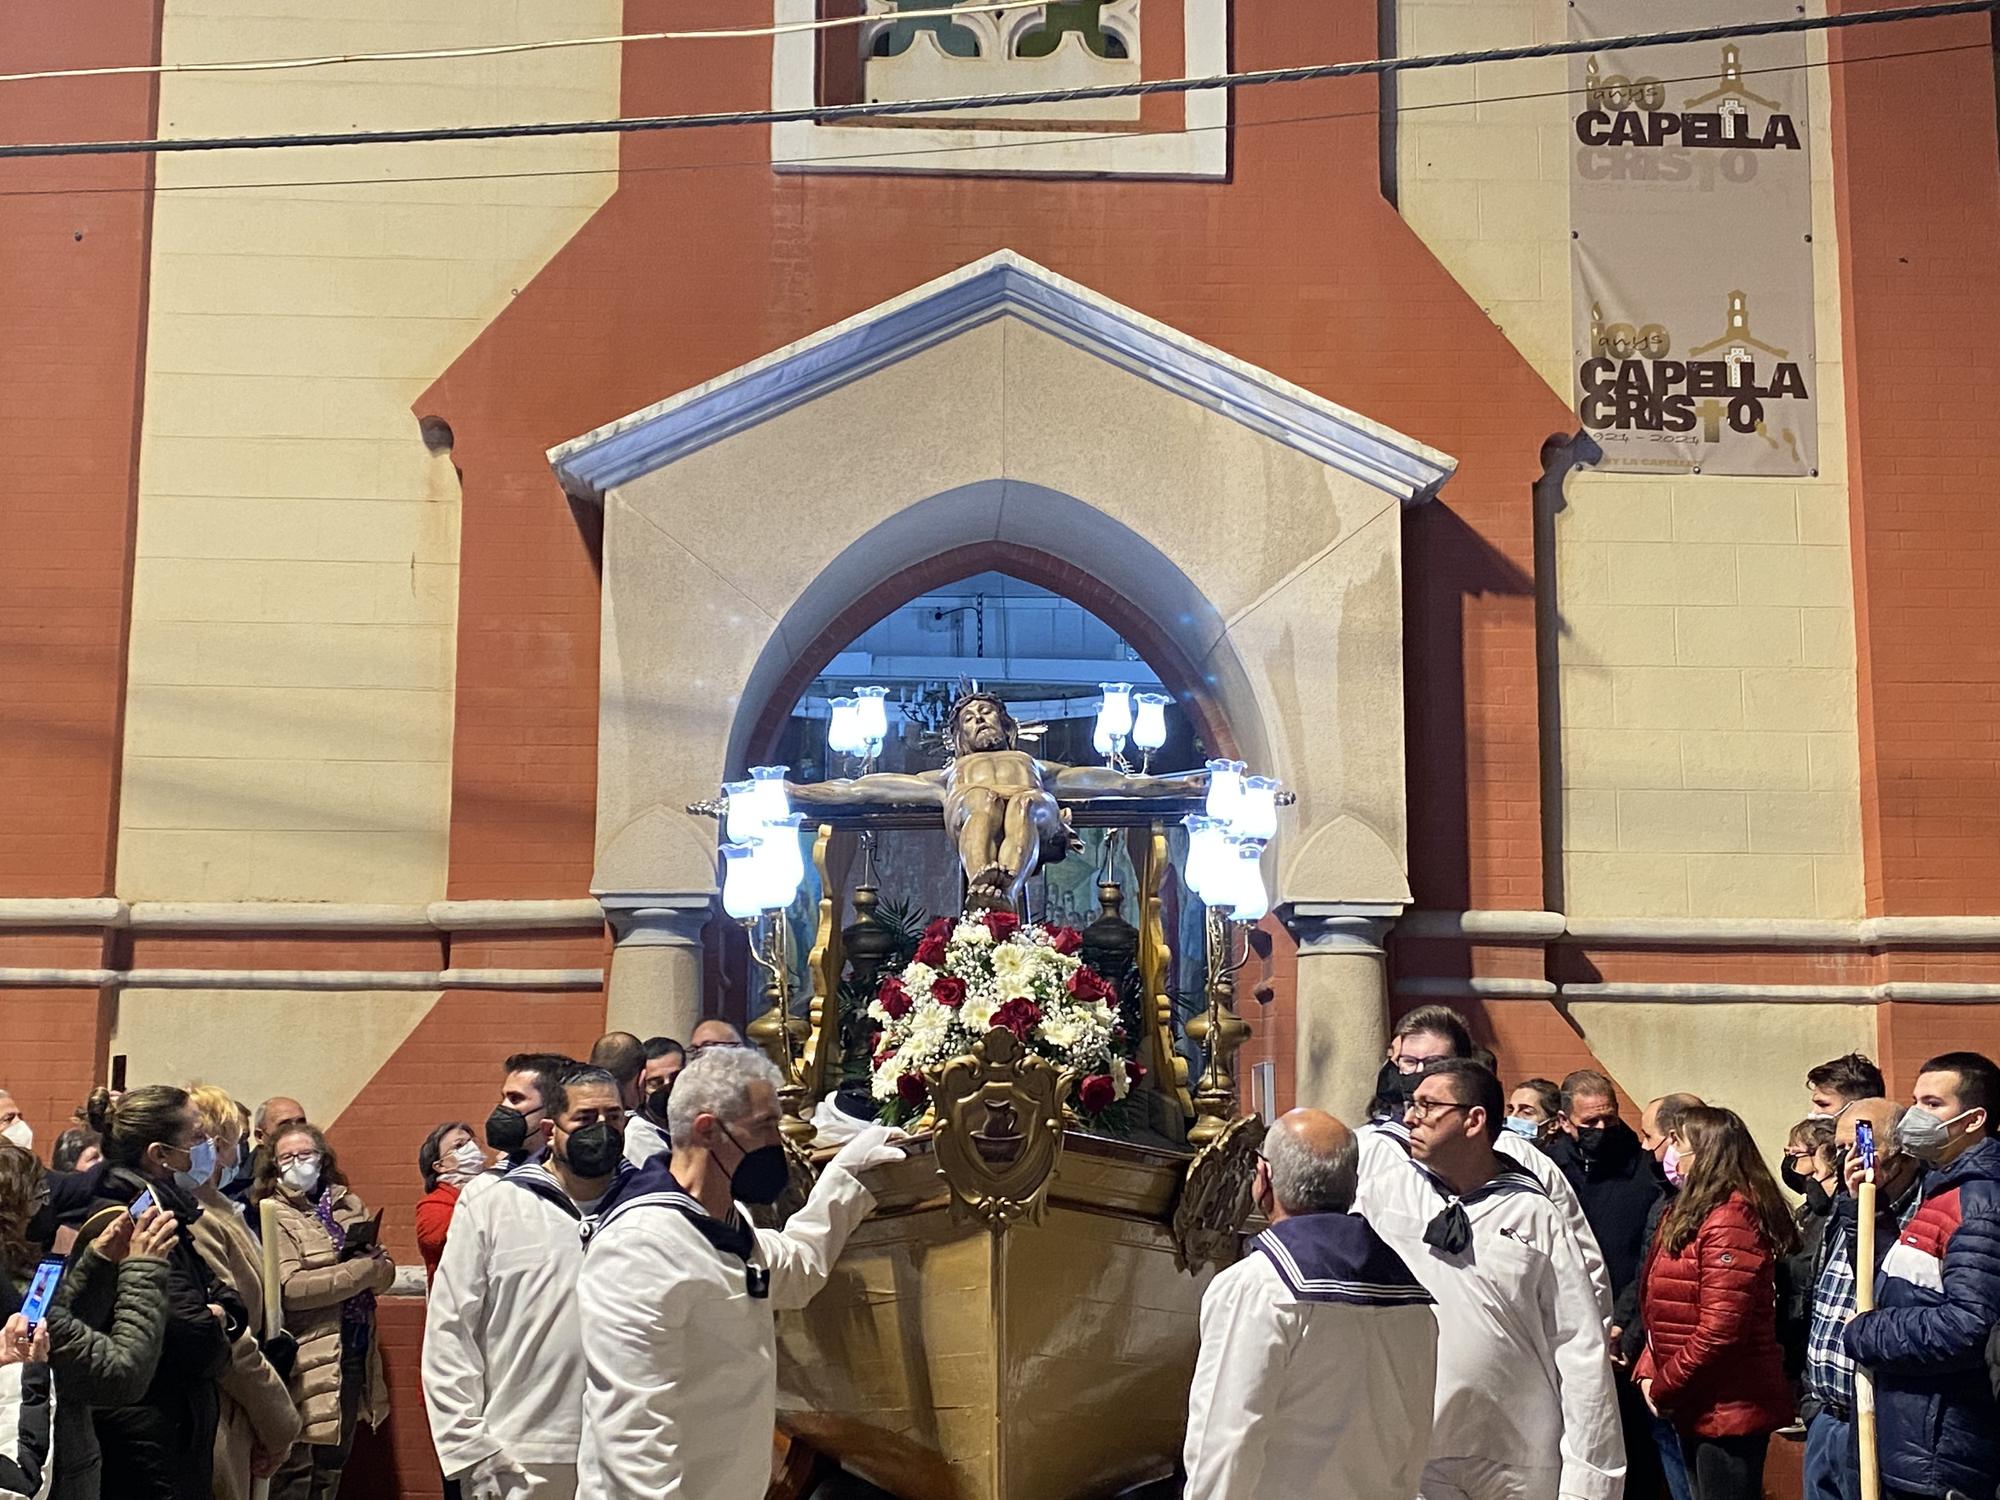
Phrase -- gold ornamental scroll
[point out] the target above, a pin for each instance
(1691, 257)
(822, 1051)
(1156, 962)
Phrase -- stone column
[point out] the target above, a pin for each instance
(1343, 1004)
(656, 965)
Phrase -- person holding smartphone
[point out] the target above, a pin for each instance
(330, 1266)
(104, 1326)
(162, 1445)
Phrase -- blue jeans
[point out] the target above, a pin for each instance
(1672, 1463)
(1832, 1469)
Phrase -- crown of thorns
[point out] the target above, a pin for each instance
(976, 695)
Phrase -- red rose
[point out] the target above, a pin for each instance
(1019, 1015)
(1096, 1094)
(911, 1090)
(1064, 939)
(941, 929)
(930, 952)
(1135, 1073)
(1086, 985)
(1002, 924)
(948, 990)
(895, 999)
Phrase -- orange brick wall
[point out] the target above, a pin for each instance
(74, 262)
(1917, 191)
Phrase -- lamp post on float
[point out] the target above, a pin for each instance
(1225, 872)
(762, 868)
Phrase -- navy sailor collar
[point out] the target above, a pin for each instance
(654, 1186)
(1336, 1257)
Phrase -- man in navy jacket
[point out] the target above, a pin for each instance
(1937, 1293)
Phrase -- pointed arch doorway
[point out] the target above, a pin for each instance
(1244, 532)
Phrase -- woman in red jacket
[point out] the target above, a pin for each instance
(449, 1158)
(1712, 1364)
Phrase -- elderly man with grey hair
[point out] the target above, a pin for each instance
(678, 1289)
(1832, 1465)
(1318, 1360)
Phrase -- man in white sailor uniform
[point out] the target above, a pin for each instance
(503, 1350)
(1526, 1409)
(519, 1126)
(678, 1290)
(1434, 1033)
(1318, 1348)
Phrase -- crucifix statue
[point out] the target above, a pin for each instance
(999, 802)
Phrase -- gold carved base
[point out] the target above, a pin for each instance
(1047, 1361)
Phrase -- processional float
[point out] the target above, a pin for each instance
(1018, 1318)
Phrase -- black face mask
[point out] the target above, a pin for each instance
(594, 1150)
(761, 1176)
(1610, 1141)
(1796, 1180)
(1396, 1088)
(1818, 1199)
(507, 1130)
(654, 1105)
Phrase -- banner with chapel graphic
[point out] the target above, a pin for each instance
(1691, 250)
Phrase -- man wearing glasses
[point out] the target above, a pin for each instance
(1526, 1409)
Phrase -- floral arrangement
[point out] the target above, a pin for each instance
(972, 974)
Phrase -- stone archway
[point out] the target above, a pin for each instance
(1246, 530)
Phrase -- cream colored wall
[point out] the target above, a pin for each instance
(1709, 755)
(173, 1036)
(290, 698)
(1751, 1058)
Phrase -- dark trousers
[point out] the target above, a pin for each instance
(1645, 1477)
(1832, 1469)
(1730, 1468)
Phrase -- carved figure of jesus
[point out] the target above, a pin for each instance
(999, 802)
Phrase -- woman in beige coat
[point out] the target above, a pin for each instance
(329, 1301)
(259, 1421)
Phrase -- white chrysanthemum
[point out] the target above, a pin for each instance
(1060, 1030)
(978, 1014)
(917, 979)
(974, 934)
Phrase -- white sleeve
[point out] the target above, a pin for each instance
(454, 1369)
(1593, 1444)
(1526, 1153)
(801, 1255)
(1245, 1349)
(628, 1291)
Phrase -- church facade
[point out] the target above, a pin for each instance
(397, 537)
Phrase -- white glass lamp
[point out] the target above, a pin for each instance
(1256, 808)
(1116, 714)
(740, 896)
(1243, 885)
(1207, 850)
(843, 727)
(779, 866)
(744, 821)
(872, 718)
(1225, 789)
(768, 794)
(1149, 721)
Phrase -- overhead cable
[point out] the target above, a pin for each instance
(833, 113)
(505, 49)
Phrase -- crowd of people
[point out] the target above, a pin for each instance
(1476, 1294)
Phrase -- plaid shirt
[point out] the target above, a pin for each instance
(1829, 1371)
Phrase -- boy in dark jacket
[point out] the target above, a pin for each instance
(1937, 1293)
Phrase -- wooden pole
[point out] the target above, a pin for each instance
(1864, 1301)
(274, 1302)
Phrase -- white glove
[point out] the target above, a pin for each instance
(494, 1477)
(870, 1148)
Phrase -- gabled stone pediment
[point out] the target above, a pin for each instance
(1000, 285)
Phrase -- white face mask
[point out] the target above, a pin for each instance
(20, 1133)
(464, 1164)
(301, 1176)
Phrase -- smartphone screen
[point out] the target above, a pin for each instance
(41, 1291)
(141, 1203)
(1864, 1144)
